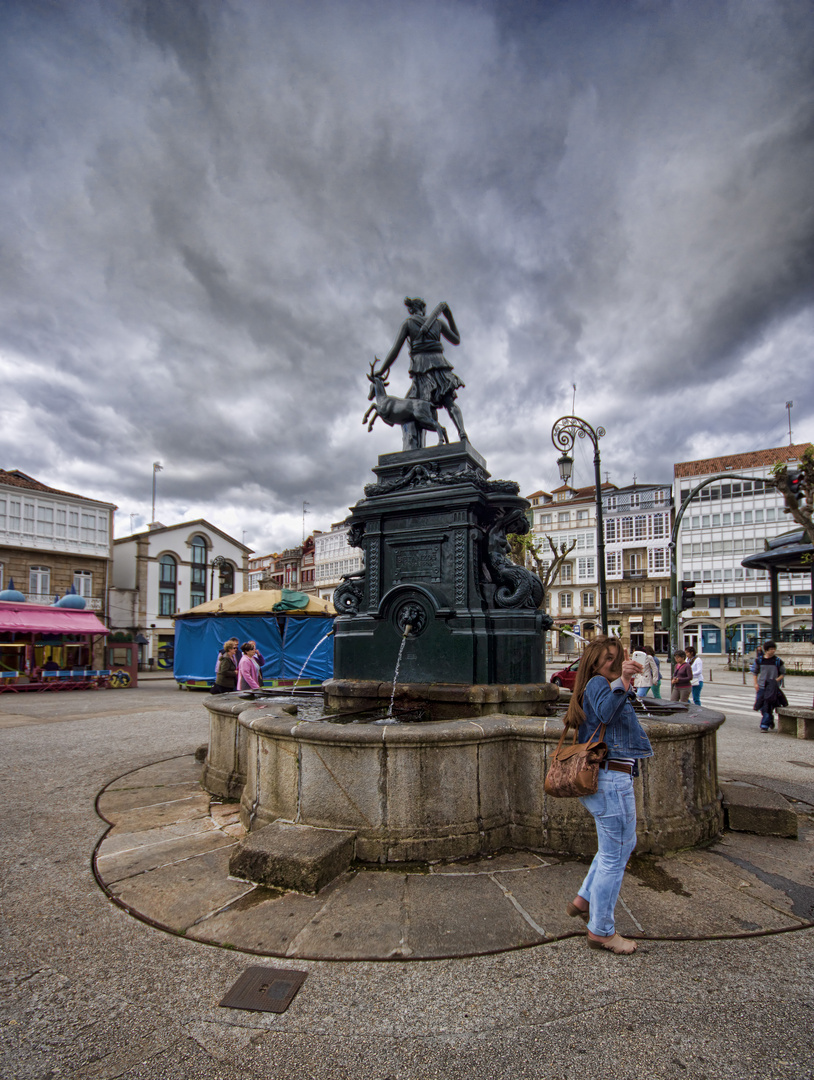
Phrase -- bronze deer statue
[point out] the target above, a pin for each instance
(400, 411)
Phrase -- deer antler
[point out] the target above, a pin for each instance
(377, 374)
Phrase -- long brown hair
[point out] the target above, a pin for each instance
(592, 659)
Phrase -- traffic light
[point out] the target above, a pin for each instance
(687, 599)
(796, 485)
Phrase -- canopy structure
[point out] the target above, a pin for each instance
(260, 602)
(36, 619)
(294, 641)
(789, 553)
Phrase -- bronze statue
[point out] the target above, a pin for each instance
(432, 376)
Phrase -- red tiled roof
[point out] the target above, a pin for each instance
(15, 478)
(754, 459)
(537, 494)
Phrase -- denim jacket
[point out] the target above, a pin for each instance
(609, 704)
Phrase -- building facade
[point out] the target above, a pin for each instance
(334, 557)
(637, 523)
(259, 566)
(725, 522)
(52, 540)
(170, 568)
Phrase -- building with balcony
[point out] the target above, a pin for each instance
(52, 540)
(637, 522)
(334, 557)
(725, 522)
(171, 568)
(258, 567)
(568, 516)
(293, 569)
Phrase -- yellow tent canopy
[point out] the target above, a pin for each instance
(258, 602)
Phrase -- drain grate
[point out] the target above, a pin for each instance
(264, 989)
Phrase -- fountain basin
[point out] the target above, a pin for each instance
(452, 789)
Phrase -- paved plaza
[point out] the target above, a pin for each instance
(720, 986)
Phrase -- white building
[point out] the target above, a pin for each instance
(725, 522)
(637, 522)
(333, 557)
(171, 568)
(258, 566)
(568, 516)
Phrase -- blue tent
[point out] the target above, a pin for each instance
(292, 645)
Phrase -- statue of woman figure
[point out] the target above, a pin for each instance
(433, 378)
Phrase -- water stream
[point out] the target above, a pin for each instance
(389, 718)
(311, 653)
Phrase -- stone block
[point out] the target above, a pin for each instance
(289, 856)
(787, 722)
(754, 810)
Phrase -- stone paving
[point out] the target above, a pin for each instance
(91, 992)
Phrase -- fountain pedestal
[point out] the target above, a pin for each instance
(433, 529)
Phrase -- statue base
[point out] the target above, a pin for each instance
(438, 596)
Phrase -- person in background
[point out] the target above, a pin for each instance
(768, 673)
(226, 677)
(697, 665)
(646, 680)
(682, 678)
(229, 641)
(248, 672)
(259, 660)
(657, 684)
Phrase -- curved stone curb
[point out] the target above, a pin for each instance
(165, 861)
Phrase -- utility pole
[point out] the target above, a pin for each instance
(789, 407)
(304, 512)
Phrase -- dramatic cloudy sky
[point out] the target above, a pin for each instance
(211, 212)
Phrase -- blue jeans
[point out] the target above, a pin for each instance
(696, 693)
(766, 718)
(613, 809)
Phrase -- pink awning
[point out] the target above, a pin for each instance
(33, 619)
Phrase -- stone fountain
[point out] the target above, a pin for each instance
(462, 772)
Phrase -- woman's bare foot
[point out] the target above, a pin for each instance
(615, 943)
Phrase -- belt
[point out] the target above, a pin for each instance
(616, 766)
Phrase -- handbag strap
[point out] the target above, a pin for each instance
(591, 740)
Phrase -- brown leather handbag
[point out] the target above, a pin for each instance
(574, 768)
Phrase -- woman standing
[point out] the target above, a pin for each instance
(682, 677)
(649, 674)
(226, 677)
(697, 665)
(601, 696)
(248, 668)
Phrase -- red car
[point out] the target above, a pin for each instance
(567, 677)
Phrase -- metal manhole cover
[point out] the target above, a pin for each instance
(264, 989)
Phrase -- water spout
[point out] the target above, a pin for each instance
(404, 637)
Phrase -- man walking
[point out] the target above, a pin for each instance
(768, 671)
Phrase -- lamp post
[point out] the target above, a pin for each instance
(217, 563)
(566, 429)
(157, 467)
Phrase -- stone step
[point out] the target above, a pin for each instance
(285, 855)
(755, 810)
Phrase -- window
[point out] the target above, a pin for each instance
(89, 528)
(627, 528)
(588, 600)
(585, 568)
(83, 582)
(545, 519)
(39, 580)
(62, 526)
(716, 519)
(658, 560)
(801, 599)
(636, 596)
(3, 514)
(714, 601)
(564, 518)
(612, 562)
(73, 525)
(661, 592)
(641, 527)
(565, 572)
(28, 518)
(45, 521)
(565, 601)
(705, 521)
(730, 601)
(197, 587)
(582, 515)
(736, 518)
(610, 530)
(659, 525)
(696, 523)
(787, 600)
(167, 580)
(14, 515)
(747, 517)
(613, 598)
(658, 497)
(226, 578)
(758, 517)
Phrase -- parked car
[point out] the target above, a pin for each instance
(566, 677)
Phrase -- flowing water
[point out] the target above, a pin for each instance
(389, 718)
(311, 653)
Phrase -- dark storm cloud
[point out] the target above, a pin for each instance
(211, 212)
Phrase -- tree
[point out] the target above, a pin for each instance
(796, 485)
(522, 549)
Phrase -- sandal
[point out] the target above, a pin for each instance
(576, 912)
(622, 946)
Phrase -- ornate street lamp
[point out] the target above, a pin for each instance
(217, 564)
(566, 429)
